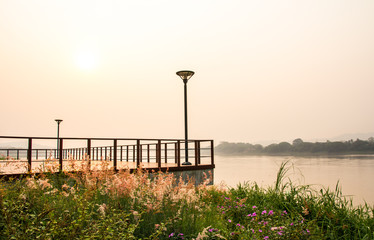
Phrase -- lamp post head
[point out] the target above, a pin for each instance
(58, 121)
(185, 75)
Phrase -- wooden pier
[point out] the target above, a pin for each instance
(72, 154)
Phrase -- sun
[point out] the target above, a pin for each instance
(86, 60)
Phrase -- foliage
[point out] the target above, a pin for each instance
(104, 205)
(298, 146)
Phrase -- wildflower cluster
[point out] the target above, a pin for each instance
(249, 221)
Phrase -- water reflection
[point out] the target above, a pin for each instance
(353, 172)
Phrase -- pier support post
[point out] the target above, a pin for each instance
(29, 156)
(60, 154)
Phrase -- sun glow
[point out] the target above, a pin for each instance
(86, 60)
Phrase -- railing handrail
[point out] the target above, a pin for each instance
(107, 138)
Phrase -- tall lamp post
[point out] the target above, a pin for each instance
(58, 135)
(185, 75)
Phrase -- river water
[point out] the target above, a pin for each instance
(355, 173)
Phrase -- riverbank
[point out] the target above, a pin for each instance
(103, 205)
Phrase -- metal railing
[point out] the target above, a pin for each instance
(162, 153)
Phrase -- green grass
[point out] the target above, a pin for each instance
(102, 205)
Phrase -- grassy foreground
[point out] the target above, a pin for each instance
(103, 205)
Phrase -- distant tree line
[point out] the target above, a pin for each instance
(298, 146)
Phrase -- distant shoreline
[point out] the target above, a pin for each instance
(295, 154)
(298, 148)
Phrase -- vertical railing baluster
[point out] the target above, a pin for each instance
(199, 151)
(89, 153)
(148, 158)
(133, 153)
(121, 153)
(29, 155)
(178, 153)
(212, 152)
(110, 153)
(175, 152)
(127, 153)
(166, 153)
(138, 153)
(196, 153)
(158, 153)
(141, 153)
(115, 155)
(60, 153)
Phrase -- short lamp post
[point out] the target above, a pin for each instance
(185, 75)
(58, 136)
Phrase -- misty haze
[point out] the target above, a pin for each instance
(229, 112)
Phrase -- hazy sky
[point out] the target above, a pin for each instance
(264, 70)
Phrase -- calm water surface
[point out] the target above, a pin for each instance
(355, 173)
